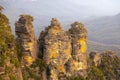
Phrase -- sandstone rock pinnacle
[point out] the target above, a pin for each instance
(78, 63)
(63, 52)
(57, 49)
(26, 38)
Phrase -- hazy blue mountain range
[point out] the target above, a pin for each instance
(100, 47)
(103, 31)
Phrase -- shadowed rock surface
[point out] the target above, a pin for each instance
(64, 52)
(26, 38)
(77, 65)
(95, 56)
(9, 63)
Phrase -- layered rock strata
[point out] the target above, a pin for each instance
(26, 38)
(63, 52)
(77, 65)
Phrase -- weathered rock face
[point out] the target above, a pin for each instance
(107, 62)
(26, 38)
(9, 64)
(77, 65)
(96, 58)
(78, 35)
(63, 52)
(57, 49)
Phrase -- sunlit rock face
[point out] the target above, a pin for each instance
(78, 63)
(78, 35)
(63, 52)
(56, 49)
(26, 38)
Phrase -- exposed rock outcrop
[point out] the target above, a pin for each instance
(56, 50)
(26, 39)
(77, 65)
(96, 58)
(108, 63)
(63, 52)
(9, 64)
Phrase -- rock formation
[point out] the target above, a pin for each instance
(26, 38)
(57, 50)
(9, 64)
(110, 64)
(77, 65)
(60, 55)
(63, 52)
(96, 58)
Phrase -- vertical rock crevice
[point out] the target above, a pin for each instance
(57, 49)
(77, 65)
(64, 52)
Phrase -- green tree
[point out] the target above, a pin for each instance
(95, 73)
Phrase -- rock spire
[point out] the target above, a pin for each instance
(26, 38)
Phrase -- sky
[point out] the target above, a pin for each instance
(85, 8)
(94, 7)
(66, 11)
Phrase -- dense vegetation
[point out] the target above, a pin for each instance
(108, 69)
(8, 56)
